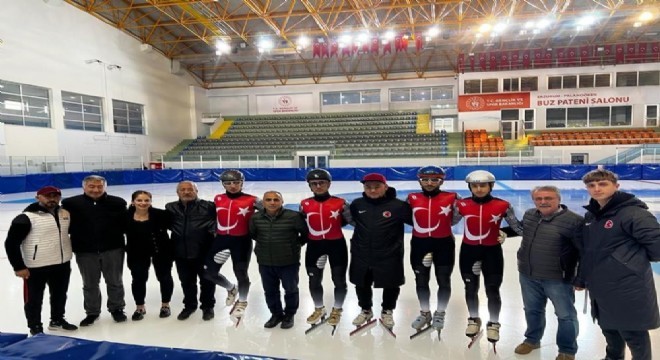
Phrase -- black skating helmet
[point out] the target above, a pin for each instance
(232, 175)
(318, 174)
(431, 172)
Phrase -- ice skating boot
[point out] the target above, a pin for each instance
(422, 321)
(231, 296)
(493, 331)
(335, 316)
(474, 327)
(387, 320)
(438, 322)
(239, 309)
(318, 315)
(363, 317)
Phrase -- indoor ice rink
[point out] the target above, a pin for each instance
(250, 338)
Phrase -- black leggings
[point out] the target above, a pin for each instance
(477, 259)
(443, 252)
(318, 253)
(139, 266)
(239, 248)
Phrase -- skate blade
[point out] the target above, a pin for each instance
(317, 325)
(475, 338)
(363, 326)
(389, 331)
(421, 331)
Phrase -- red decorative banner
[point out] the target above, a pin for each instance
(492, 102)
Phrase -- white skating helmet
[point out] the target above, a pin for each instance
(480, 176)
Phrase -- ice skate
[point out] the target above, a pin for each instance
(317, 319)
(363, 321)
(473, 330)
(237, 311)
(333, 319)
(421, 324)
(231, 296)
(387, 320)
(493, 333)
(438, 322)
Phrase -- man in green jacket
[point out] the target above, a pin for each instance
(279, 234)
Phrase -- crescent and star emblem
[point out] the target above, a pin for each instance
(472, 236)
(225, 228)
(419, 228)
(314, 231)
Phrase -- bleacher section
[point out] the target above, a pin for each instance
(602, 137)
(479, 143)
(347, 135)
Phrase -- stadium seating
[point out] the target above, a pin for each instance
(601, 137)
(479, 144)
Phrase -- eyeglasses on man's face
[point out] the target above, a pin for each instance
(234, 182)
(431, 180)
(318, 183)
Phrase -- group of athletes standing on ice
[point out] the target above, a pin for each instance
(377, 245)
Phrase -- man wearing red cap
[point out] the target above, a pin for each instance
(42, 226)
(377, 247)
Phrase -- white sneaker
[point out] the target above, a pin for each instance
(493, 331)
(422, 320)
(363, 317)
(474, 325)
(317, 315)
(239, 309)
(387, 317)
(438, 320)
(231, 296)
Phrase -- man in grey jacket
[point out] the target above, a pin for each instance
(547, 259)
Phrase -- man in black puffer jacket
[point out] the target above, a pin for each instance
(193, 226)
(377, 247)
(97, 236)
(547, 259)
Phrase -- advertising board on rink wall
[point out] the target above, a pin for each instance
(285, 104)
(492, 102)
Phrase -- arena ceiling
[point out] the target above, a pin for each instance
(188, 32)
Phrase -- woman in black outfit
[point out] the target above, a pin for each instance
(147, 241)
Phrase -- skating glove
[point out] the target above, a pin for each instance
(502, 237)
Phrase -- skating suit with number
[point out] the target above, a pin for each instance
(325, 215)
(480, 250)
(432, 239)
(233, 212)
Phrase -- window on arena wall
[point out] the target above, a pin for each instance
(647, 78)
(603, 80)
(569, 82)
(604, 116)
(442, 93)
(472, 86)
(127, 117)
(511, 84)
(422, 94)
(628, 78)
(25, 105)
(651, 115)
(82, 112)
(554, 82)
(530, 119)
(350, 97)
(489, 86)
(529, 83)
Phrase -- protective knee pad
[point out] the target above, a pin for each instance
(427, 260)
(321, 261)
(222, 256)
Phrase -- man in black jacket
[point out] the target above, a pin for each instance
(193, 226)
(547, 259)
(97, 236)
(377, 246)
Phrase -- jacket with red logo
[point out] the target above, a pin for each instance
(482, 220)
(325, 218)
(432, 215)
(234, 213)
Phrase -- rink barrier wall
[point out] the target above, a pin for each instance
(32, 182)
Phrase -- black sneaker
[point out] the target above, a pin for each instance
(273, 321)
(138, 315)
(287, 322)
(208, 314)
(37, 329)
(89, 320)
(185, 313)
(118, 315)
(165, 312)
(61, 325)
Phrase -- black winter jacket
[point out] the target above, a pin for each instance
(96, 225)
(377, 242)
(618, 243)
(278, 239)
(154, 243)
(547, 250)
(193, 228)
